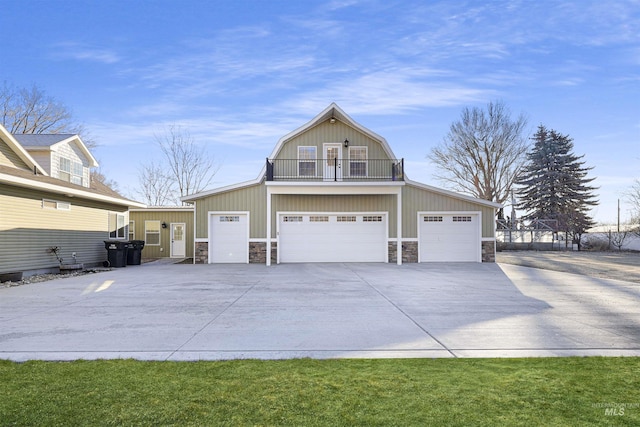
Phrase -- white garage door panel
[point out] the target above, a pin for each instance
(444, 240)
(332, 238)
(229, 241)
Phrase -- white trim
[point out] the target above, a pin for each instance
(163, 209)
(202, 240)
(366, 160)
(338, 171)
(338, 213)
(93, 163)
(67, 191)
(230, 213)
(184, 237)
(159, 232)
(20, 151)
(488, 239)
(338, 187)
(453, 194)
(479, 228)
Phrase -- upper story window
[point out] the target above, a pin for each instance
(71, 171)
(307, 161)
(358, 161)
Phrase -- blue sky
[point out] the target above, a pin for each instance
(241, 74)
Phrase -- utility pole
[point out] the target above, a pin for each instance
(618, 215)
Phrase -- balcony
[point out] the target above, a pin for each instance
(335, 170)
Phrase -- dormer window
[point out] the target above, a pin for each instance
(307, 161)
(70, 171)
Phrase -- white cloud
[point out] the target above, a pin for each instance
(82, 52)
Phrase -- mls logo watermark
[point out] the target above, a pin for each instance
(616, 409)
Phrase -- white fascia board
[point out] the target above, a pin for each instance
(207, 193)
(274, 187)
(69, 192)
(20, 151)
(454, 194)
(76, 138)
(163, 209)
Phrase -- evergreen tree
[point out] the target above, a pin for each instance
(553, 184)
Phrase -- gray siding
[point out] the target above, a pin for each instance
(327, 133)
(168, 216)
(415, 199)
(27, 230)
(252, 199)
(326, 203)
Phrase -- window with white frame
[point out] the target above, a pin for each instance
(307, 161)
(132, 230)
(71, 171)
(54, 204)
(358, 161)
(117, 227)
(152, 233)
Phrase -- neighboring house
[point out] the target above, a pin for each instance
(47, 200)
(333, 191)
(167, 232)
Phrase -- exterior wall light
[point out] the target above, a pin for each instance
(346, 143)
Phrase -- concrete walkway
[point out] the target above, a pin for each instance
(212, 312)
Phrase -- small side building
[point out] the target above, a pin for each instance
(167, 232)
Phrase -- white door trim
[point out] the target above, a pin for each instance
(384, 214)
(478, 250)
(210, 214)
(172, 253)
(330, 172)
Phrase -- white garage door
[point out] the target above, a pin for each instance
(228, 238)
(332, 237)
(449, 237)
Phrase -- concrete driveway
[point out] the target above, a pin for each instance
(211, 312)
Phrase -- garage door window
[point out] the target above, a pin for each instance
(376, 218)
(291, 218)
(432, 219)
(461, 219)
(347, 218)
(319, 218)
(229, 218)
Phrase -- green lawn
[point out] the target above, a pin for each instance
(549, 391)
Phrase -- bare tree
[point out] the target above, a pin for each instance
(187, 168)
(483, 152)
(156, 185)
(31, 110)
(633, 196)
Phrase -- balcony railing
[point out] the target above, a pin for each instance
(335, 170)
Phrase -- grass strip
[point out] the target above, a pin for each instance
(464, 392)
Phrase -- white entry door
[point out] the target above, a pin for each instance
(228, 238)
(332, 162)
(178, 242)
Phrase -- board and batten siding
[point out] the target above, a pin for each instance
(331, 133)
(416, 199)
(164, 249)
(8, 157)
(335, 203)
(251, 198)
(28, 231)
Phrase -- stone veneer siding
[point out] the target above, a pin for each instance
(201, 255)
(488, 251)
(258, 252)
(409, 252)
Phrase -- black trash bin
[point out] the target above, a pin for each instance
(134, 252)
(116, 253)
